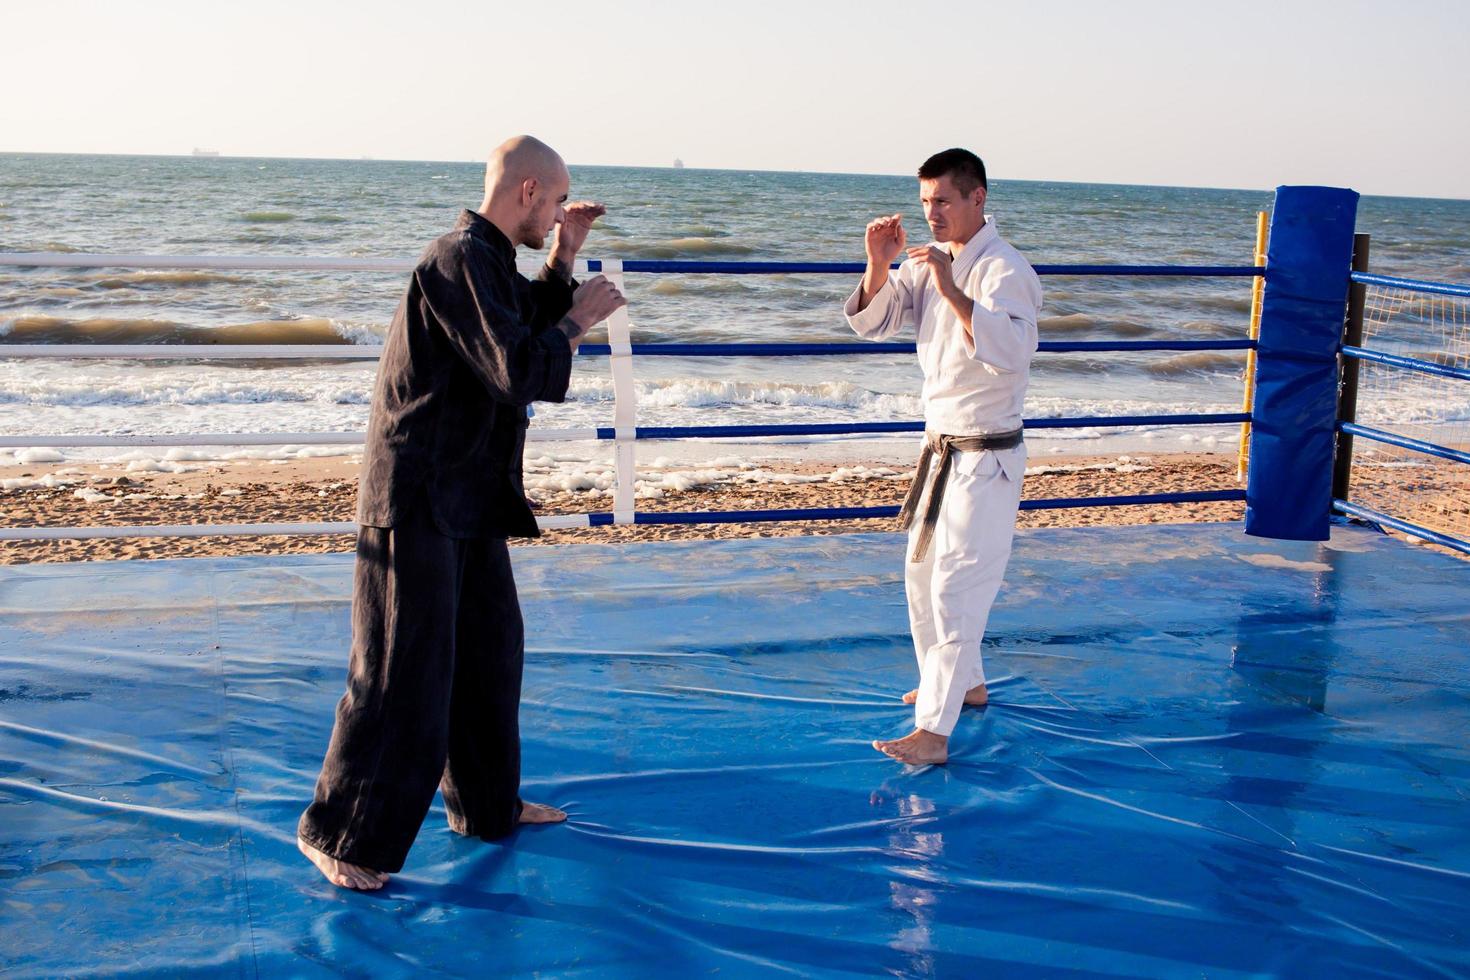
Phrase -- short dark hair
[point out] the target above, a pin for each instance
(964, 168)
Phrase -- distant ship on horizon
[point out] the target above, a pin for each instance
(201, 152)
(678, 164)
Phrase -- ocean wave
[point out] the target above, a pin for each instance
(263, 236)
(1076, 323)
(143, 391)
(813, 290)
(1069, 323)
(1080, 364)
(695, 288)
(706, 393)
(182, 277)
(1212, 328)
(107, 330)
(111, 398)
(1063, 406)
(267, 217)
(147, 462)
(1235, 304)
(683, 248)
(1387, 400)
(699, 231)
(1198, 362)
(360, 332)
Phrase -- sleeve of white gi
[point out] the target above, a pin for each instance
(1007, 297)
(890, 310)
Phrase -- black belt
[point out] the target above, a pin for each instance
(945, 446)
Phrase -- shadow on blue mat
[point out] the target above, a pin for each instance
(1206, 754)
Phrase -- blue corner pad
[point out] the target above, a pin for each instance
(1289, 491)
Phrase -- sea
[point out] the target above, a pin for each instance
(293, 207)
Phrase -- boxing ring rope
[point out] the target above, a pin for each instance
(1353, 351)
(625, 432)
(261, 263)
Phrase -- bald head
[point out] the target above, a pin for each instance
(526, 184)
(518, 159)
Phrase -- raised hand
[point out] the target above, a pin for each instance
(941, 272)
(572, 230)
(939, 263)
(885, 238)
(594, 301)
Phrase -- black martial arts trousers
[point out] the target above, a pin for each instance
(433, 697)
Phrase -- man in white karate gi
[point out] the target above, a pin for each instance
(973, 300)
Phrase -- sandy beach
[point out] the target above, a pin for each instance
(324, 489)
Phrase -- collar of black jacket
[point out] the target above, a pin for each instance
(483, 229)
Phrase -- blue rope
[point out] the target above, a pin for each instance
(1378, 517)
(1410, 363)
(1105, 421)
(729, 431)
(764, 516)
(694, 267)
(1412, 285)
(1196, 497)
(861, 428)
(1404, 442)
(865, 513)
(1205, 271)
(820, 350)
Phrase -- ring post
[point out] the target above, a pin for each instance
(1294, 420)
(1258, 287)
(1347, 399)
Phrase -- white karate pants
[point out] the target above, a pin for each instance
(950, 592)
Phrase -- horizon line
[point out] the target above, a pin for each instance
(759, 170)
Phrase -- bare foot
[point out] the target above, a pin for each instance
(919, 748)
(541, 813)
(975, 697)
(340, 873)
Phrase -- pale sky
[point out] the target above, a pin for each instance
(1370, 95)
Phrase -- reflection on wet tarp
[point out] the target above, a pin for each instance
(1206, 754)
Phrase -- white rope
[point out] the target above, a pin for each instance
(171, 531)
(625, 402)
(324, 263)
(563, 521)
(93, 260)
(561, 435)
(191, 352)
(242, 439)
(200, 439)
(549, 523)
(195, 352)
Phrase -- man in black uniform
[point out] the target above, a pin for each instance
(434, 677)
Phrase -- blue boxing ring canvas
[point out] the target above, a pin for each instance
(1207, 754)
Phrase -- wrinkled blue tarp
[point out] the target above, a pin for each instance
(1208, 755)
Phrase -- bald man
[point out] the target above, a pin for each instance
(434, 673)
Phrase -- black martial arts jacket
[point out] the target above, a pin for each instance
(472, 344)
